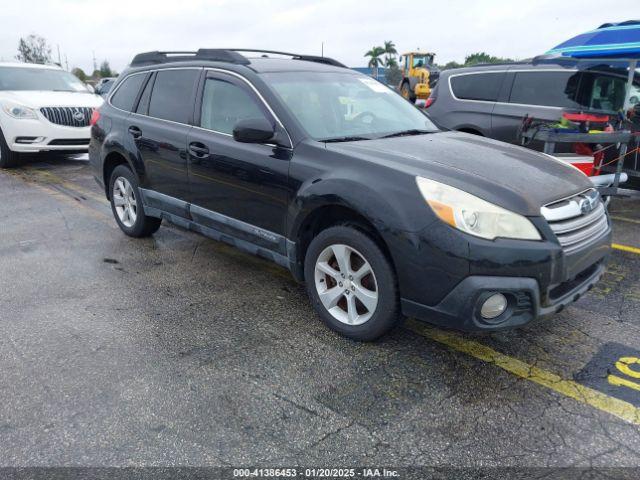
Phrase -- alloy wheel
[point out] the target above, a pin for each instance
(346, 284)
(124, 200)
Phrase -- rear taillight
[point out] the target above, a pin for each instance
(95, 116)
(430, 101)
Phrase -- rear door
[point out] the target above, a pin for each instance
(239, 188)
(159, 131)
(474, 96)
(541, 94)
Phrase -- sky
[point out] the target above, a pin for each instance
(116, 30)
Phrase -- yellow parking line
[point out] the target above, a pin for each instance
(567, 388)
(625, 219)
(626, 248)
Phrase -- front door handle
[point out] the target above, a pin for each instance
(198, 150)
(135, 132)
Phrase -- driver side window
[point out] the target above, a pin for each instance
(224, 104)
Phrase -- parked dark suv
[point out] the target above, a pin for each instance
(491, 100)
(337, 178)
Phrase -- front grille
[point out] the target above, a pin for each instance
(577, 221)
(68, 116)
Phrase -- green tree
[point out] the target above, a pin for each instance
(105, 70)
(375, 61)
(78, 72)
(390, 52)
(450, 65)
(482, 57)
(33, 49)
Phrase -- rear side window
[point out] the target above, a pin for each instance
(477, 86)
(225, 104)
(127, 92)
(553, 89)
(172, 96)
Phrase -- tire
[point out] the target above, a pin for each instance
(126, 204)
(407, 93)
(8, 158)
(364, 324)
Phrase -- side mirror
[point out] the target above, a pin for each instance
(253, 130)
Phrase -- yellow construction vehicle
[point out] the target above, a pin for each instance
(419, 75)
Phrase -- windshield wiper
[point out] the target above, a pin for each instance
(344, 139)
(406, 133)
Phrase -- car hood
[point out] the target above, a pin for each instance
(41, 98)
(510, 176)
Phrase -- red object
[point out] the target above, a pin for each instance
(430, 101)
(95, 116)
(588, 168)
(585, 117)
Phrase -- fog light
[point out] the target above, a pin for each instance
(493, 306)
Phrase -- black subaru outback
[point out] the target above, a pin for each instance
(334, 176)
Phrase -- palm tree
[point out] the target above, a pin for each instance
(390, 49)
(374, 62)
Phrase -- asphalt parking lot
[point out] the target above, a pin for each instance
(178, 350)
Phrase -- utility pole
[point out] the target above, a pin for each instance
(95, 65)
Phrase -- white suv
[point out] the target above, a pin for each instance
(42, 108)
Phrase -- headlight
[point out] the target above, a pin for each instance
(16, 110)
(473, 215)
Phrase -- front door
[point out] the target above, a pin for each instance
(238, 188)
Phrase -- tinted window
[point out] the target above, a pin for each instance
(477, 86)
(225, 104)
(553, 89)
(143, 104)
(127, 93)
(172, 96)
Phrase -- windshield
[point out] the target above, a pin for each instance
(334, 106)
(422, 60)
(25, 78)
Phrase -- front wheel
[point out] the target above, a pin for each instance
(127, 206)
(8, 158)
(351, 283)
(407, 93)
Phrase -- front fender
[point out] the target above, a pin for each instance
(367, 202)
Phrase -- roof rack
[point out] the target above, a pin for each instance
(229, 55)
(294, 56)
(211, 54)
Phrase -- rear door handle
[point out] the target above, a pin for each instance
(135, 132)
(198, 150)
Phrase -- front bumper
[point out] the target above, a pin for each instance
(460, 309)
(447, 285)
(49, 136)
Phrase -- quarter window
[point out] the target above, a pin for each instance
(143, 103)
(224, 104)
(552, 89)
(172, 96)
(127, 93)
(477, 86)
